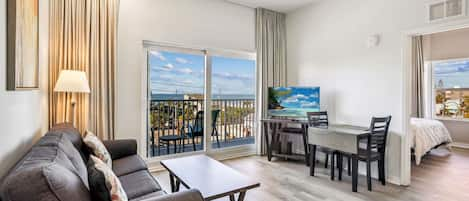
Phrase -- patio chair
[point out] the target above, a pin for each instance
(197, 129)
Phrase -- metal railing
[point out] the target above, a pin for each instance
(234, 123)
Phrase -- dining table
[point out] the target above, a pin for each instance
(342, 138)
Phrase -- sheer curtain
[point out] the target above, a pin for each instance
(82, 36)
(418, 66)
(271, 53)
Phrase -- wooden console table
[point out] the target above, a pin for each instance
(275, 128)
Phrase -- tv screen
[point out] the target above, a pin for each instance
(293, 101)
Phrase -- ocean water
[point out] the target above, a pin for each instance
(214, 96)
(291, 112)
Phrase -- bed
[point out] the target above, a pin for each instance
(427, 134)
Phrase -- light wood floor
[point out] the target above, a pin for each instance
(441, 176)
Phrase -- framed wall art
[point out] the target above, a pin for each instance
(22, 44)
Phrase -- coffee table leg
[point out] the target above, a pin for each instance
(242, 194)
(171, 180)
(178, 185)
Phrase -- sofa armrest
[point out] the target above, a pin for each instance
(121, 148)
(189, 195)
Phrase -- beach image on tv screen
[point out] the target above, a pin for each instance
(293, 101)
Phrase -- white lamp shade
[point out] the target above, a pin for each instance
(72, 81)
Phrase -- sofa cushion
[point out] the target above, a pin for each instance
(63, 143)
(72, 133)
(74, 136)
(139, 183)
(104, 184)
(46, 173)
(128, 165)
(149, 196)
(98, 148)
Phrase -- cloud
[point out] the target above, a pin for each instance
(182, 60)
(314, 95)
(231, 76)
(291, 100)
(162, 77)
(309, 104)
(168, 66)
(158, 55)
(452, 67)
(187, 81)
(184, 70)
(299, 96)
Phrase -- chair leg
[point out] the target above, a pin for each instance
(327, 160)
(332, 167)
(167, 148)
(193, 143)
(368, 174)
(312, 159)
(215, 132)
(159, 148)
(381, 169)
(340, 163)
(183, 144)
(354, 173)
(349, 166)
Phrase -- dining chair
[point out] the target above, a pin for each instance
(321, 119)
(375, 149)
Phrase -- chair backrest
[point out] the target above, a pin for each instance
(318, 119)
(215, 114)
(379, 131)
(198, 127)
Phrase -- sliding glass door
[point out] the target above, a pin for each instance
(199, 100)
(176, 100)
(233, 81)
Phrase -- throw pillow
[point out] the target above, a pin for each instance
(104, 184)
(98, 148)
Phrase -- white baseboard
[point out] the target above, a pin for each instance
(460, 145)
(394, 180)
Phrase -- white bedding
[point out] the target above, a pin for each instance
(426, 134)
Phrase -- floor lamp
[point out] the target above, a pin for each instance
(71, 81)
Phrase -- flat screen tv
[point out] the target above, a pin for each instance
(293, 101)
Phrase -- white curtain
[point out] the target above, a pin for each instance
(271, 53)
(83, 36)
(418, 65)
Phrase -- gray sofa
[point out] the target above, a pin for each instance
(55, 170)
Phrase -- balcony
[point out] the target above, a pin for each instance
(173, 119)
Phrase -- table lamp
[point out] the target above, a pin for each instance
(73, 82)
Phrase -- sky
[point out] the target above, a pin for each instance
(452, 73)
(183, 73)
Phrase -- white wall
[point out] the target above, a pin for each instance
(199, 23)
(23, 117)
(326, 48)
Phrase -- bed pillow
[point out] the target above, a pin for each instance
(97, 148)
(104, 184)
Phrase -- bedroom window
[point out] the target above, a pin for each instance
(451, 89)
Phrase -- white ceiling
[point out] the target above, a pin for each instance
(277, 5)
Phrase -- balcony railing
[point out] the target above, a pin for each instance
(234, 124)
